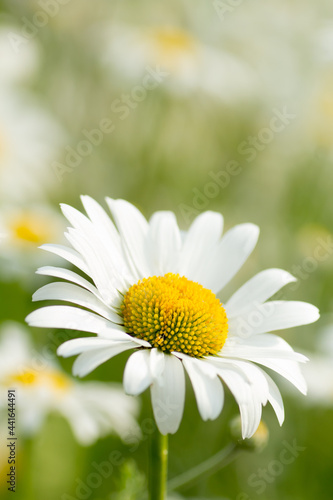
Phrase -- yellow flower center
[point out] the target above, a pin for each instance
(50, 378)
(30, 228)
(175, 314)
(170, 45)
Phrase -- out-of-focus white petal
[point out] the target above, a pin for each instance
(95, 409)
(318, 373)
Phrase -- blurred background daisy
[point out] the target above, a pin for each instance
(92, 410)
(242, 123)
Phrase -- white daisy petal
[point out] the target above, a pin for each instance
(109, 235)
(89, 360)
(251, 372)
(102, 221)
(103, 268)
(168, 396)
(73, 318)
(137, 374)
(68, 254)
(77, 295)
(66, 274)
(133, 229)
(290, 370)
(77, 346)
(247, 399)
(76, 218)
(270, 351)
(202, 236)
(208, 390)
(273, 315)
(260, 346)
(249, 386)
(157, 362)
(164, 243)
(257, 290)
(228, 257)
(275, 398)
(101, 255)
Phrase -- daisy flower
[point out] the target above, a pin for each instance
(190, 65)
(22, 230)
(155, 290)
(92, 409)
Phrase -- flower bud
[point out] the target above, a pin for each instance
(256, 442)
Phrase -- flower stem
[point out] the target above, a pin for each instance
(158, 466)
(209, 466)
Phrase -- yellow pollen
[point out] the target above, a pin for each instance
(24, 378)
(53, 379)
(30, 228)
(175, 314)
(171, 45)
(173, 39)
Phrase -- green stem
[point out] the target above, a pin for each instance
(209, 466)
(158, 466)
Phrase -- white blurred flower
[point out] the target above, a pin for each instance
(23, 229)
(318, 372)
(19, 57)
(270, 36)
(92, 409)
(324, 42)
(189, 64)
(29, 141)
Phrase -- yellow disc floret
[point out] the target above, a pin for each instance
(175, 314)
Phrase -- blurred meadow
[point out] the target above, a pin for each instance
(183, 106)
